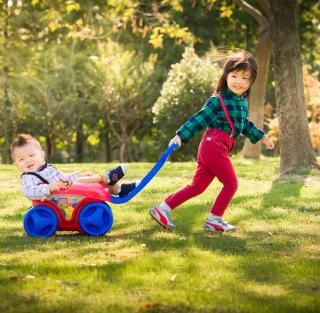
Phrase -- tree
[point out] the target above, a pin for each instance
(295, 143)
(126, 78)
(263, 52)
(261, 11)
(10, 18)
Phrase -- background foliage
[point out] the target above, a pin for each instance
(83, 76)
(190, 82)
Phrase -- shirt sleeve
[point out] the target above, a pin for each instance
(198, 121)
(251, 131)
(32, 189)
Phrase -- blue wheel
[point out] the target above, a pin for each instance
(96, 218)
(40, 221)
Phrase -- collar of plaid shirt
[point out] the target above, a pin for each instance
(231, 95)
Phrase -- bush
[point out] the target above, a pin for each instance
(190, 82)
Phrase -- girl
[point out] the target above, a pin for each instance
(225, 115)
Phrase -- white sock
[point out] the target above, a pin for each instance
(118, 190)
(124, 168)
(164, 206)
(212, 216)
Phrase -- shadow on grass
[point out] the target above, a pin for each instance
(283, 194)
(19, 243)
(34, 302)
(278, 301)
(223, 243)
(15, 302)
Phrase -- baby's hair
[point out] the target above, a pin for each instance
(239, 61)
(22, 140)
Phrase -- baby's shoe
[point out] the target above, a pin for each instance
(127, 188)
(217, 224)
(115, 174)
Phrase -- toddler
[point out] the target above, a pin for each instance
(39, 178)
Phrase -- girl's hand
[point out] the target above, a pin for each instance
(176, 139)
(267, 142)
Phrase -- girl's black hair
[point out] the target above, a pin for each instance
(239, 61)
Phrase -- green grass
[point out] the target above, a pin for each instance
(270, 264)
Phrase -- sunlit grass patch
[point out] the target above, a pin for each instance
(270, 264)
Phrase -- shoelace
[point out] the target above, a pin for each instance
(220, 221)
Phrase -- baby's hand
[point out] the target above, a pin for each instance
(267, 142)
(64, 184)
(54, 186)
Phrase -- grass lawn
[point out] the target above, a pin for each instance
(270, 264)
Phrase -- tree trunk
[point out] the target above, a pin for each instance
(107, 143)
(258, 90)
(6, 113)
(79, 143)
(49, 147)
(122, 151)
(261, 14)
(295, 142)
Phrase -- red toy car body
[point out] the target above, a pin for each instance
(82, 208)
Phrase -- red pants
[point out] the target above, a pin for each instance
(213, 161)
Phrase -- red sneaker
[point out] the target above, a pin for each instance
(163, 217)
(218, 224)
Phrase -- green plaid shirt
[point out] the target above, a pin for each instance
(212, 116)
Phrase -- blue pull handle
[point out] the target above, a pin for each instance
(156, 168)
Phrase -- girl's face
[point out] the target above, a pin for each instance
(239, 82)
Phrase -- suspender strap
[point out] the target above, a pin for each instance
(37, 175)
(227, 115)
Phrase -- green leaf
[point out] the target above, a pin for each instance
(73, 7)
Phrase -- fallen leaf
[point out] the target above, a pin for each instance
(29, 277)
(173, 277)
(110, 254)
(152, 305)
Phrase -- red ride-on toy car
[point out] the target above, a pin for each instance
(82, 207)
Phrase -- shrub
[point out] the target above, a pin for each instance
(190, 82)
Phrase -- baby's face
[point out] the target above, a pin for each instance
(28, 158)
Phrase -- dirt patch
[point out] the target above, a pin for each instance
(304, 180)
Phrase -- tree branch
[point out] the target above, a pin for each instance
(255, 13)
(265, 5)
(113, 130)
